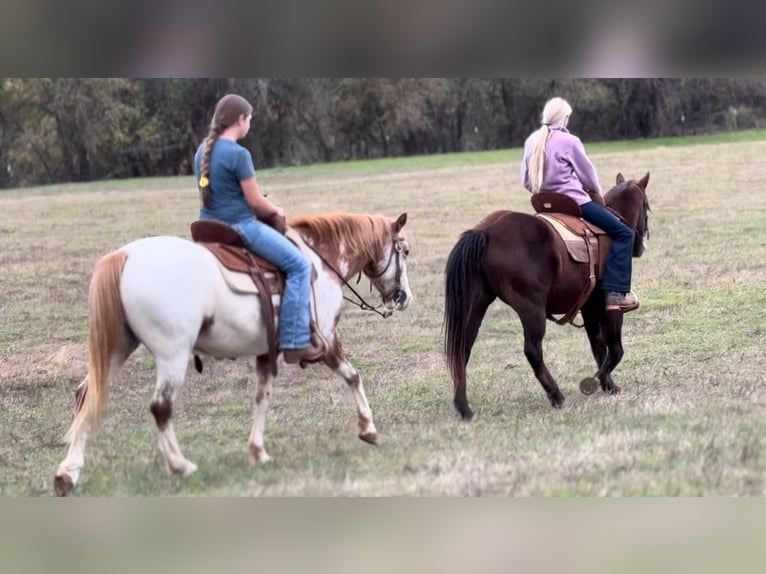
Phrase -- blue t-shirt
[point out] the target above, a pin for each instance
(230, 163)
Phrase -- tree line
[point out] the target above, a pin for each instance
(81, 129)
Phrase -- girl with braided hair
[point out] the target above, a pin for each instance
(229, 193)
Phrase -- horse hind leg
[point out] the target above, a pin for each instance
(68, 473)
(262, 396)
(472, 323)
(533, 322)
(170, 376)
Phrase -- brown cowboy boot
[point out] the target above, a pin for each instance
(311, 354)
(624, 302)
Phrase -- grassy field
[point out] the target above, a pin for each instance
(691, 419)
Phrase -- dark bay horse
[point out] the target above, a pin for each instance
(512, 256)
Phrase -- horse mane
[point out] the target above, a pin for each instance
(350, 231)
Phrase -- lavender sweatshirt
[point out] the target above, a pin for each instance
(566, 167)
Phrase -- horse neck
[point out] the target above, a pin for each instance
(346, 262)
(629, 206)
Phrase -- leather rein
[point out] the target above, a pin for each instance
(362, 304)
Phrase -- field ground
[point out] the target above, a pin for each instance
(691, 419)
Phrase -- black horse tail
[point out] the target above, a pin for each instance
(464, 281)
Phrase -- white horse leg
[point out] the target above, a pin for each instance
(170, 377)
(68, 473)
(262, 395)
(367, 431)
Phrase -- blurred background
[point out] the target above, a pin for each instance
(56, 130)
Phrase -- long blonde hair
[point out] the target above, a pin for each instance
(554, 112)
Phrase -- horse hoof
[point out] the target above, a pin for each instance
(557, 402)
(185, 468)
(465, 411)
(62, 484)
(369, 437)
(259, 455)
(589, 385)
(612, 390)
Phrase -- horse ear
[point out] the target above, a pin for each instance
(644, 181)
(620, 179)
(401, 220)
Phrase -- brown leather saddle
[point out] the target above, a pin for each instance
(227, 245)
(585, 243)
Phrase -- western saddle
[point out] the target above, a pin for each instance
(227, 246)
(585, 243)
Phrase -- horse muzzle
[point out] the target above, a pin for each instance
(401, 299)
(397, 300)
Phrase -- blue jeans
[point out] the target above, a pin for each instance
(294, 313)
(618, 265)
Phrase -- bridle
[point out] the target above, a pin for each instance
(645, 213)
(646, 210)
(396, 249)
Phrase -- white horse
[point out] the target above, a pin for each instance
(169, 294)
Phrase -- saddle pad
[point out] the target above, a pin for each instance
(574, 243)
(241, 282)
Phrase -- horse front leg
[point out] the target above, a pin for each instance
(262, 396)
(594, 316)
(611, 330)
(337, 361)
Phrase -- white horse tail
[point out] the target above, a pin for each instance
(105, 328)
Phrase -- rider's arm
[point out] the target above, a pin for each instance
(255, 198)
(583, 167)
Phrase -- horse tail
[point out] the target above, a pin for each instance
(464, 282)
(105, 328)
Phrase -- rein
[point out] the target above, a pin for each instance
(362, 304)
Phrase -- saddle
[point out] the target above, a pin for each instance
(585, 243)
(238, 263)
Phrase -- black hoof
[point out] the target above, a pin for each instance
(465, 411)
(557, 401)
(611, 389)
(369, 438)
(589, 385)
(63, 485)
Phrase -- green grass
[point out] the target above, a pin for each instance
(690, 419)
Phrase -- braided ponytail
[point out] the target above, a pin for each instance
(227, 112)
(204, 165)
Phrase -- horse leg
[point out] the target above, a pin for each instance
(472, 323)
(593, 317)
(68, 472)
(337, 361)
(533, 322)
(170, 376)
(262, 395)
(611, 330)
